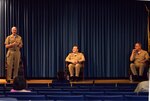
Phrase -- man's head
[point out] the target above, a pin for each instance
(75, 49)
(138, 46)
(19, 83)
(14, 30)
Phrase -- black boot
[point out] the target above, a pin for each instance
(140, 78)
(135, 78)
(71, 78)
(76, 78)
(8, 81)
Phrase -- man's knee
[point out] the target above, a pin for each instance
(71, 66)
(78, 66)
(132, 65)
(142, 66)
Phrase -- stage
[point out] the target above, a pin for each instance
(48, 82)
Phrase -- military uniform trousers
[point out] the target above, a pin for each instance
(13, 60)
(75, 67)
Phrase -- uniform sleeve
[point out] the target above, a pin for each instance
(82, 58)
(21, 41)
(68, 58)
(147, 56)
(7, 41)
(132, 57)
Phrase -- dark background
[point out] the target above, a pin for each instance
(104, 30)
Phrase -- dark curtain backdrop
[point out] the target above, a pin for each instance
(104, 30)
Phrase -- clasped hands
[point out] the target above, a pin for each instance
(15, 44)
(75, 61)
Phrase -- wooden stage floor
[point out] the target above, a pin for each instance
(107, 81)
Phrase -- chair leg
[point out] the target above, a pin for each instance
(83, 76)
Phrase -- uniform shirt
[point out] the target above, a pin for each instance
(11, 39)
(140, 56)
(75, 56)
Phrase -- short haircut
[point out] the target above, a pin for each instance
(14, 27)
(19, 83)
(76, 46)
(139, 44)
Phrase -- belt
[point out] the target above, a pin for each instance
(13, 50)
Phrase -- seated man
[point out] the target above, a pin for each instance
(138, 58)
(75, 58)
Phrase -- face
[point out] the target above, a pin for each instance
(75, 49)
(137, 46)
(14, 30)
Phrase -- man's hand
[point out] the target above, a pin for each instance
(74, 61)
(132, 55)
(143, 61)
(15, 44)
(133, 51)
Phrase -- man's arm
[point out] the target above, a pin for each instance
(82, 58)
(147, 56)
(7, 44)
(132, 57)
(68, 59)
(20, 44)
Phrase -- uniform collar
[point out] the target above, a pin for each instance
(75, 53)
(13, 35)
(139, 52)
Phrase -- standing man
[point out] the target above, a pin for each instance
(138, 58)
(75, 59)
(13, 43)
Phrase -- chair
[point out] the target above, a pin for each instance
(66, 97)
(28, 97)
(105, 89)
(8, 99)
(81, 70)
(87, 93)
(21, 93)
(143, 93)
(54, 93)
(120, 93)
(135, 98)
(2, 96)
(38, 86)
(104, 97)
(144, 77)
(80, 90)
